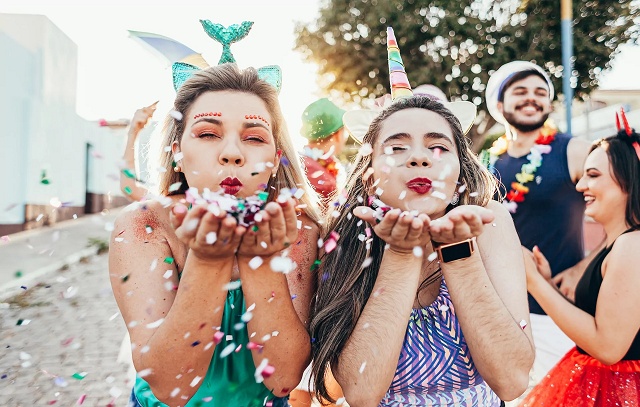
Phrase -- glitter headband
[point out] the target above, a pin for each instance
(226, 36)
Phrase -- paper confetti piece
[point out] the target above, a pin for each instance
(79, 375)
(217, 337)
(168, 260)
(362, 366)
(523, 324)
(178, 116)
(155, 324)
(175, 392)
(227, 350)
(255, 262)
(173, 187)
(81, 399)
(233, 285)
(417, 251)
(195, 381)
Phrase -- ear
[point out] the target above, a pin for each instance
(276, 163)
(175, 147)
(500, 107)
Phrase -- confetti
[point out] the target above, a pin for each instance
(79, 375)
(178, 116)
(417, 251)
(402, 195)
(282, 264)
(365, 150)
(263, 371)
(5, 239)
(217, 337)
(227, 350)
(366, 262)
(195, 381)
(155, 324)
(168, 260)
(172, 188)
(432, 256)
(23, 322)
(362, 366)
(211, 237)
(168, 274)
(523, 324)
(145, 372)
(255, 262)
(175, 392)
(233, 285)
(81, 399)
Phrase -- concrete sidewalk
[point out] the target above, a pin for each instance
(28, 256)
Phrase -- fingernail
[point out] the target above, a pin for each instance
(179, 209)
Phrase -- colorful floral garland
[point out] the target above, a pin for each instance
(527, 171)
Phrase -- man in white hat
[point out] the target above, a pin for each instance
(539, 167)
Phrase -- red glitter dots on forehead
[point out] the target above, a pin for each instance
(207, 114)
(257, 117)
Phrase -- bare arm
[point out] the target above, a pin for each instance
(282, 306)
(489, 293)
(607, 336)
(158, 311)
(369, 359)
(128, 175)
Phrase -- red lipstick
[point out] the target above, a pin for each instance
(420, 185)
(231, 186)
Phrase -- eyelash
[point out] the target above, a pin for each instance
(443, 148)
(206, 134)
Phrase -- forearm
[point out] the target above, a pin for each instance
(500, 348)
(275, 326)
(577, 324)
(368, 362)
(182, 347)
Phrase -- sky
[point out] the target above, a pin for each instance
(116, 75)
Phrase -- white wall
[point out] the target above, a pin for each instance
(40, 127)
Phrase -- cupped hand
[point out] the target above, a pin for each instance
(401, 230)
(462, 222)
(276, 228)
(208, 236)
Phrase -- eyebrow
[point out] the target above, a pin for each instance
(525, 88)
(592, 169)
(244, 125)
(429, 136)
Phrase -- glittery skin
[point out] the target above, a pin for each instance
(226, 36)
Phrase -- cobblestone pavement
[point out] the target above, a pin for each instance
(67, 326)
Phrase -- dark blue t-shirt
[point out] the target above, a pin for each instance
(552, 213)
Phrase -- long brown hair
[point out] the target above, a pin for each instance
(230, 77)
(344, 286)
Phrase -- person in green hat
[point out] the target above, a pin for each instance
(322, 126)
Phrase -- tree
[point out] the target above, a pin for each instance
(456, 45)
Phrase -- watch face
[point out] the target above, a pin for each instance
(456, 252)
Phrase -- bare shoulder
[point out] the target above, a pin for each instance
(143, 221)
(625, 250)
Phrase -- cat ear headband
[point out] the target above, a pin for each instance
(226, 36)
(357, 122)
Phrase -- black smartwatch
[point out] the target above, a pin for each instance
(451, 252)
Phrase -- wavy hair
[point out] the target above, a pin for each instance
(344, 286)
(230, 77)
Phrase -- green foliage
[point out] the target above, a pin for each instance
(456, 45)
(101, 245)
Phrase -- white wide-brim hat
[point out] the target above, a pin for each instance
(497, 80)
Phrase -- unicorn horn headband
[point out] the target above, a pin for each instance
(226, 36)
(357, 122)
(627, 130)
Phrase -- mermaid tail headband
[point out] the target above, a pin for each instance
(226, 36)
(627, 130)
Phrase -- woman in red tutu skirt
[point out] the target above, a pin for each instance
(604, 367)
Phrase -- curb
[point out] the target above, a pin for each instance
(14, 287)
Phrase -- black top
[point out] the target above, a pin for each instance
(587, 292)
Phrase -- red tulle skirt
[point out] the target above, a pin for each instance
(579, 380)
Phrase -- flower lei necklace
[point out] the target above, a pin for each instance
(528, 169)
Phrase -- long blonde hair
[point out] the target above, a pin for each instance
(230, 77)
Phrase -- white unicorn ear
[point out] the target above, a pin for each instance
(465, 112)
(357, 122)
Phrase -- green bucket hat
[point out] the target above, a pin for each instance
(321, 119)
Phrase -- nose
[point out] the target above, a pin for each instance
(581, 186)
(418, 158)
(231, 154)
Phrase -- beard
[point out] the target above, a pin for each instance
(524, 127)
